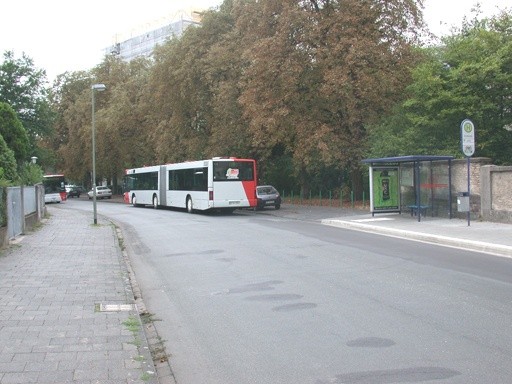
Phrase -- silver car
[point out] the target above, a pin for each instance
(101, 193)
(268, 196)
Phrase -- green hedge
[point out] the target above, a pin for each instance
(3, 207)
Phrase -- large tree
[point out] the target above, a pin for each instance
(223, 67)
(468, 76)
(123, 135)
(478, 66)
(13, 133)
(320, 71)
(71, 141)
(292, 83)
(195, 86)
(7, 163)
(179, 89)
(24, 88)
(122, 132)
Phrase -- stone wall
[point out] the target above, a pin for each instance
(460, 174)
(460, 183)
(496, 187)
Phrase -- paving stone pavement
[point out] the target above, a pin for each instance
(67, 309)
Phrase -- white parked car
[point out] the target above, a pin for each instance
(52, 198)
(101, 193)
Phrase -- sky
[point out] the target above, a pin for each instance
(65, 35)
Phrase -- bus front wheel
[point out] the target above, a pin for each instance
(189, 205)
(155, 202)
(134, 201)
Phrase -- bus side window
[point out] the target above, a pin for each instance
(173, 181)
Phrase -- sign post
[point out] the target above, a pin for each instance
(467, 141)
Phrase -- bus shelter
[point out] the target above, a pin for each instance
(418, 184)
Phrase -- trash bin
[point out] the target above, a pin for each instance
(463, 201)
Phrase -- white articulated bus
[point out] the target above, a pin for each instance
(218, 183)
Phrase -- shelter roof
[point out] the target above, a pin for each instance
(406, 159)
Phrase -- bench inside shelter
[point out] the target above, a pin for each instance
(418, 209)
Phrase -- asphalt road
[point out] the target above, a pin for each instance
(276, 297)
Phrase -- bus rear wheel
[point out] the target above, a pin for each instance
(155, 202)
(190, 208)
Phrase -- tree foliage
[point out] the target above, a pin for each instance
(122, 140)
(320, 72)
(13, 132)
(31, 174)
(7, 163)
(24, 88)
(308, 88)
(468, 76)
(281, 79)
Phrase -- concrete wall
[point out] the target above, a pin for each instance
(29, 210)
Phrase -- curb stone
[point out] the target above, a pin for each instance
(161, 363)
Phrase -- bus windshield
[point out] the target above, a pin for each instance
(54, 184)
(233, 171)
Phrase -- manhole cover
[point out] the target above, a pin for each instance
(115, 307)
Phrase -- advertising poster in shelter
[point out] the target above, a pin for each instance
(385, 193)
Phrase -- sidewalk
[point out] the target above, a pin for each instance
(493, 238)
(67, 312)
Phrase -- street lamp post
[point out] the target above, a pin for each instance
(99, 88)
